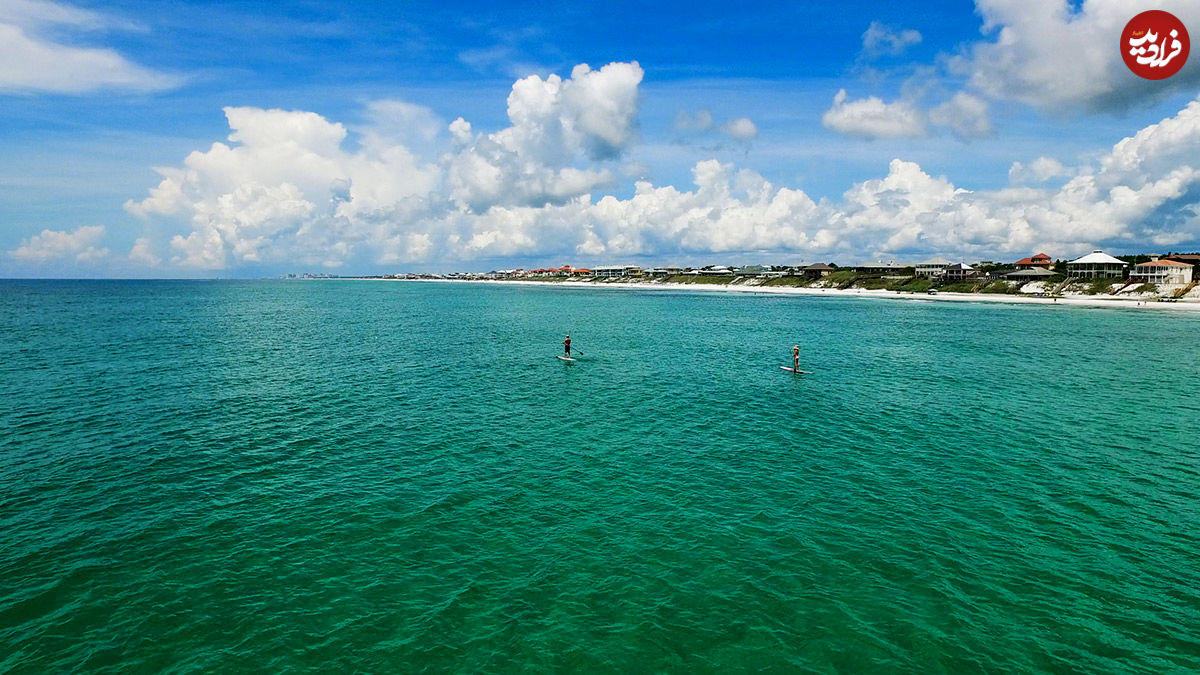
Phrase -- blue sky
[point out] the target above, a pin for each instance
(767, 132)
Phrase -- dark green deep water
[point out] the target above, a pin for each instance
(396, 477)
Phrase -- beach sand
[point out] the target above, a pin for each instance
(1074, 301)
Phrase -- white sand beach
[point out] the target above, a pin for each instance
(1072, 300)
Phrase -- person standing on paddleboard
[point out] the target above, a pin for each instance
(796, 357)
(567, 346)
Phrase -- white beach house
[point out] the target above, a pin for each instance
(934, 267)
(605, 271)
(1162, 272)
(1095, 265)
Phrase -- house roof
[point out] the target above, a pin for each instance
(1162, 263)
(935, 261)
(1035, 272)
(1097, 258)
(819, 267)
(1191, 258)
(1037, 259)
(959, 266)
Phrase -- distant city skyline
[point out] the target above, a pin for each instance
(251, 139)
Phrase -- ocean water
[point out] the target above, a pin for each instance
(400, 477)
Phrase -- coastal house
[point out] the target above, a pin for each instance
(932, 268)
(716, 270)
(959, 272)
(1041, 260)
(890, 267)
(608, 271)
(753, 270)
(1096, 265)
(1161, 272)
(818, 270)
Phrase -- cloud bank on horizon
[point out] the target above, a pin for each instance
(294, 187)
(289, 190)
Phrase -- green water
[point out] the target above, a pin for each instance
(400, 477)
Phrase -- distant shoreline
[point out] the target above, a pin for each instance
(1072, 300)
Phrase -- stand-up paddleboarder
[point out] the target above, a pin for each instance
(567, 347)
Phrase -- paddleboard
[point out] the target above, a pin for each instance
(566, 358)
(792, 370)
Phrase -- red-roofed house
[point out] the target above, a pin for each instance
(1162, 272)
(1040, 260)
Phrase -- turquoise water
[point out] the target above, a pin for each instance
(399, 477)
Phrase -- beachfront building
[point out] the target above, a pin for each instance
(959, 272)
(1041, 260)
(667, 271)
(818, 270)
(933, 268)
(608, 271)
(754, 270)
(890, 267)
(1097, 265)
(1161, 272)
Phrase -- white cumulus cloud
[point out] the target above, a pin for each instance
(285, 183)
(873, 118)
(556, 124)
(143, 253)
(1039, 170)
(1057, 56)
(286, 188)
(80, 245)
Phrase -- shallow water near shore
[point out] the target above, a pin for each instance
(216, 476)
